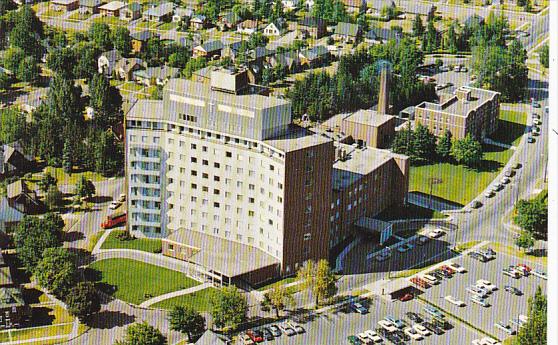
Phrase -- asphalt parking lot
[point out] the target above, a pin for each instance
(335, 328)
(503, 305)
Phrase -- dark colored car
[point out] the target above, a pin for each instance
(476, 204)
(402, 335)
(513, 290)
(414, 317)
(353, 340)
(433, 328)
(443, 324)
(445, 273)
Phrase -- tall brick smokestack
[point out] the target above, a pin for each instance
(383, 97)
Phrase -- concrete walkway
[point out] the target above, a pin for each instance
(173, 294)
(36, 340)
(100, 242)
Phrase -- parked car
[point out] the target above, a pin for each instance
(359, 308)
(536, 105)
(456, 267)
(430, 279)
(114, 205)
(405, 247)
(413, 334)
(287, 329)
(414, 317)
(398, 323)
(539, 274)
(476, 291)
(478, 256)
(406, 297)
(511, 273)
(489, 194)
(422, 240)
(479, 300)
(433, 311)
(448, 269)
(525, 267)
(266, 333)
(121, 198)
(255, 335)
(275, 330)
(486, 284)
(513, 290)
(455, 301)
(490, 341)
(530, 139)
(442, 323)
(246, 339)
(296, 326)
(388, 326)
(497, 187)
(476, 204)
(504, 327)
(505, 180)
(436, 233)
(421, 329)
(353, 340)
(372, 335)
(364, 338)
(420, 282)
(508, 173)
(433, 328)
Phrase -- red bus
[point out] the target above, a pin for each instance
(113, 220)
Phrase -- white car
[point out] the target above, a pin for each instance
(505, 180)
(373, 336)
(539, 274)
(413, 333)
(482, 293)
(480, 301)
(122, 197)
(430, 279)
(536, 121)
(477, 342)
(421, 329)
(486, 284)
(455, 301)
(490, 341)
(114, 205)
(364, 338)
(435, 233)
(489, 194)
(457, 267)
(388, 326)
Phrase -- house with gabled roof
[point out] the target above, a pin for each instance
(140, 38)
(381, 35)
(13, 159)
(355, 6)
(21, 198)
(182, 14)
(89, 6)
(131, 12)
(347, 32)
(290, 60)
(111, 9)
(125, 67)
(247, 27)
(198, 22)
(228, 21)
(314, 56)
(158, 75)
(276, 28)
(209, 49)
(161, 13)
(64, 5)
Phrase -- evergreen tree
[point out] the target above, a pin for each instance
(100, 35)
(67, 156)
(451, 38)
(424, 143)
(28, 70)
(431, 37)
(122, 40)
(27, 31)
(443, 148)
(105, 100)
(277, 10)
(418, 27)
(544, 57)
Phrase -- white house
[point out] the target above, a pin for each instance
(290, 4)
(107, 61)
(276, 28)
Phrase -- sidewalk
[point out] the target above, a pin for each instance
(173, 294)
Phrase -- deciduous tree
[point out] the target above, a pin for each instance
(99, 33)
(532, 216)
(467, 151)
(187, 320)
(443, 148)
(319, 279)
(121, 40)
(229, 308)
(143, 334)
(83, 300)
(278, 298)
(57, 271)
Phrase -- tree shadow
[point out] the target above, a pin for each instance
(508, 132)
(31, 296)
(41, 316)
(109, 319)
(100, 199)
(72, 236)
(538, 253)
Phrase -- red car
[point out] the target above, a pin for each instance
(406, 297)
(448, 269)
(527, 268)
(420, 282)
(255, 335)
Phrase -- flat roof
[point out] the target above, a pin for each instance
(454, 106)
(146, 109)
(204, 91)
(369, 118)
(358, 163)
(297, 139)
(113, 6)
(63, 2)
(221, 255)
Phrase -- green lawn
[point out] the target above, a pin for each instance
(93, 239)
(131, 86)
(64, 178)
(167, 26)
(80, 16)
(511, 127)
(459, 183)
(109, 21)
(409, 212)
(132, 280)
(143, 244)
(199, 300)
(277, 283)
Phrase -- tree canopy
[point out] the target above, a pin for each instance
(319, 279)
(534, 331)
(467, 151)
(229, 308)
(532, 216)
(33, 235)
(57, 271)
(187, 320)
(83, 300)
(143, 334)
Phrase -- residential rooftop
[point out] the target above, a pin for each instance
(368, 117)
(222, 255)
(297, 138)
(113, 6)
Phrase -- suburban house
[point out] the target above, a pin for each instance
(290, 5)
(155, 75)
(181, 14)
(247, 27)
(379, 35)
(355, 6)
(209, 49)
(313, 27)
(13, 159)
(64, 5)
(315, 56)
(228, 21)
(89, 6)
(139, 40)
(112, 9)
(9, 218)
(125, 66)
(22, 198)
(198, 22)
(291, 60)
(347, 32)
(131, 12)
(161, 13)
(13, 309)
(107, 61)
(276, 28)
